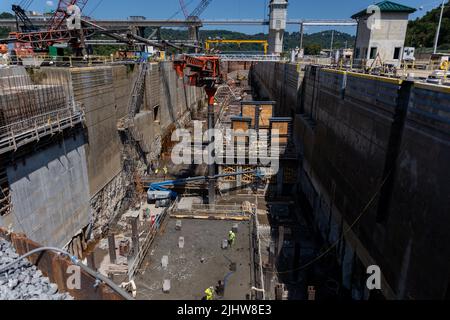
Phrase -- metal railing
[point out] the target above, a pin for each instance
(244, 57)
(18, 134)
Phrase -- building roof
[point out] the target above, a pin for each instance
(387, 6)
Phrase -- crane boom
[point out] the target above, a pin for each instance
(27, 25)
(184, 8)
(200, 9)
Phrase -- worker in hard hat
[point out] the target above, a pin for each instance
(209, 293)
(166, 171)
(231, 238)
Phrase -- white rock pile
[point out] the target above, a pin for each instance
(24, 281)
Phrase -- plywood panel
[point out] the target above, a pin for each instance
(249, 111)
(265, 113)
(241, 125)
(283, 132)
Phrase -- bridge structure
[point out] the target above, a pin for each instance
(125, 23)
(140, 24)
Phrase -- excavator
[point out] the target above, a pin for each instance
(33, 43)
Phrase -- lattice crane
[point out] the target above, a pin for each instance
(196, 13)
(56, 22)
(21, 15)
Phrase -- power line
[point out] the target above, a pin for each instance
(95, 8)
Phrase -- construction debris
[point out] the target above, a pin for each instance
(24, 281)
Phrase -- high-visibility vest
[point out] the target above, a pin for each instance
(232, 236)
(209, 294)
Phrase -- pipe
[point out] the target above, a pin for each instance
(75, 261)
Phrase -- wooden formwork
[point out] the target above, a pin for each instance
(283, 126)
(229, 170)
(259, 111)
(240, 127)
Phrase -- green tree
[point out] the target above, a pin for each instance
(422, 31)
(6, 15)
(312, 49)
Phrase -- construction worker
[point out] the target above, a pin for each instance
(209, 293)
(231, 238)
(166, 171)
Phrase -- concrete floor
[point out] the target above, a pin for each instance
(188, 275)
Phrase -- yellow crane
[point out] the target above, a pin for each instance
(265, 43)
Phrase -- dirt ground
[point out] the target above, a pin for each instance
(200, 264)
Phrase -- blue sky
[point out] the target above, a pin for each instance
(228, 9)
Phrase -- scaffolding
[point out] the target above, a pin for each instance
(35, 104)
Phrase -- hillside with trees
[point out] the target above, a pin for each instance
(421, 32)
(5, 31)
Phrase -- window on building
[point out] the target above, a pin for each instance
(373, 53)
(397, 53)
(357, 53)
(156, 113)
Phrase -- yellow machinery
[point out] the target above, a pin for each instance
(265, 43)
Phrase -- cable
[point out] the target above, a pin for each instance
(348, 229)
(75, 261)
(95, 8)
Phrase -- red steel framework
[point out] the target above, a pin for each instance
(60, 14)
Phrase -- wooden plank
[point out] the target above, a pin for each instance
(265, 114)
(249, 111)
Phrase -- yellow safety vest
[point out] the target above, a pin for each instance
(209, 294)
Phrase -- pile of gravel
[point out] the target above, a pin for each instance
(24, 281)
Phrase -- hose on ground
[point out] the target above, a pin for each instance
(75, 261)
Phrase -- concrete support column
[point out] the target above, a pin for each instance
(135, 234)
(302, 32)
(194, 33)
(112, 248)
(91, 261)
(238, 178)
(212, 165)
(277, 25)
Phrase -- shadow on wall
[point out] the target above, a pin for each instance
(50, 192)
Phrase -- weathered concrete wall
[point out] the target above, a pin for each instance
(415, 229)
(350, 130)
(281, 80)
(96, 89)
(49, 192)
(59, 190)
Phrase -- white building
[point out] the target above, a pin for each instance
(381, 33)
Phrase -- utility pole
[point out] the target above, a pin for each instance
(436, 41)
(332, 43)
(302, 30)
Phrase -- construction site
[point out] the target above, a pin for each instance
(171, 170)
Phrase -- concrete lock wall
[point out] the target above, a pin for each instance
(350, 130)
(49, 192)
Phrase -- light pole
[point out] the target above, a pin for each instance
(439, 27)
